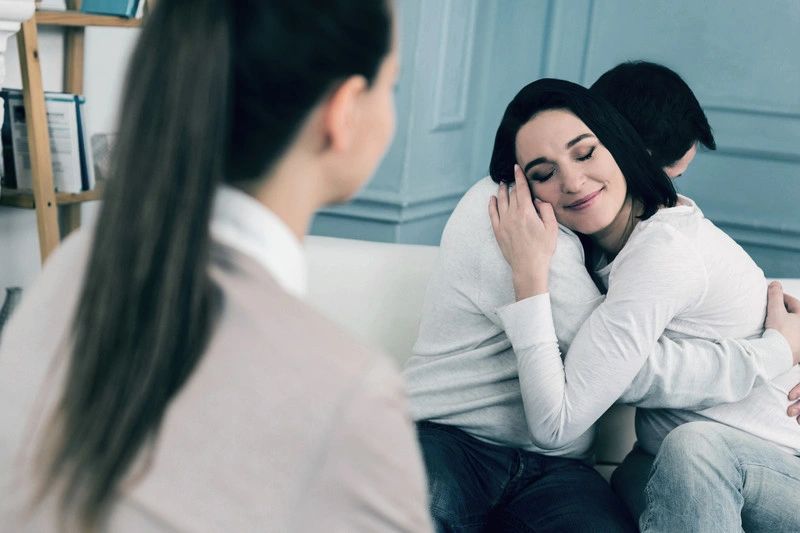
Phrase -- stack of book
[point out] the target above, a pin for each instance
(73, 166)
(120, 8)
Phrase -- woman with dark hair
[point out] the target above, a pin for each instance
(184, 385)
(485, 469)
(667, 271)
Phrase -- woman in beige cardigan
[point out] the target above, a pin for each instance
(184, 385)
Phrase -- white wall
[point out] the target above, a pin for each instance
(106, 55)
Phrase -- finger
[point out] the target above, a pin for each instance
(494, 216)
(793, 410)
(546, 213)
(792, 303)
(775, 307)
(794, 394)
(523, 190)
(502, 198)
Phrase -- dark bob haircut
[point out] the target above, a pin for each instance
(646, 182)
(660, 106)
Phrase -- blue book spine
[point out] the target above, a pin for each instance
(120, 8)
(87, 177)
(9, 170)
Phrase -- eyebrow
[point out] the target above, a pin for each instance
(569, 145)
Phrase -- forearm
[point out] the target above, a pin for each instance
(697, 373)
(559, 409)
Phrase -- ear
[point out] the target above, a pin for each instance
(340, 114)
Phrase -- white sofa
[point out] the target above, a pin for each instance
(376, 291)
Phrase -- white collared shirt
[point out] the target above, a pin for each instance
(243, 223)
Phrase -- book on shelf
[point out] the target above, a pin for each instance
(51, 5)
(120, 8)
(73, 167)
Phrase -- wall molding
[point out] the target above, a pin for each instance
(587, 41)
(453, 115)
(547, 44)
(753, 110)
(761, 235)
(749, 153)
(386, 207)
(746, 108)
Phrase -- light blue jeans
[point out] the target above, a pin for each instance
(710, 477)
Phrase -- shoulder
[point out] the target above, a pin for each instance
(662, 256)
(670, 234)
(469, 221)
(276, 330)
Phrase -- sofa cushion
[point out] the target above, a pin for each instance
(373, 289)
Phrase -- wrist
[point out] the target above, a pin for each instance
(529, 286)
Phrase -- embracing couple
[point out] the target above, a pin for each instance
(582, 280)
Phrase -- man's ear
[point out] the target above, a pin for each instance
(341, 110)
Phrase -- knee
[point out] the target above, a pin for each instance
(692, 447)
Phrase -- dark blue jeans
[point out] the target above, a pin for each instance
(476, 486)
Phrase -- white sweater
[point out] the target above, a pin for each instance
(464, 370)
(678, 276)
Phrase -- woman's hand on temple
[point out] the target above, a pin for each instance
(526, 231)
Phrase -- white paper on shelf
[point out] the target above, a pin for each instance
(51, 5)
(62, 125)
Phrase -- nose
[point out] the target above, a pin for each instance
(572, 179)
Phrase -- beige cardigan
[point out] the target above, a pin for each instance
(287, 424)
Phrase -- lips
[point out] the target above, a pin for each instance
(585, 202)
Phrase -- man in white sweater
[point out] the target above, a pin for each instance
(483, 465)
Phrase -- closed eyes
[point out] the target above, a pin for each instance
(542, 177)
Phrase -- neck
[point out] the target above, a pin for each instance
(291, 191)
(612, 238)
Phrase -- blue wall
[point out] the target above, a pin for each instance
(463, 60)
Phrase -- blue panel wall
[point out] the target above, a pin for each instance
(458, 73)
(463, 60)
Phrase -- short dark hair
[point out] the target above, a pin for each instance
(659, 105)
(646, 181)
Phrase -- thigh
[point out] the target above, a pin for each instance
(569, 497)
(711, 476)
(770, 482)
(630, 478)
(465, 477)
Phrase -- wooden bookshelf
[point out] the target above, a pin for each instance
(26, 200)
(81, 20)
(57, 214)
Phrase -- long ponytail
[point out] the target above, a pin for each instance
(147, 302)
